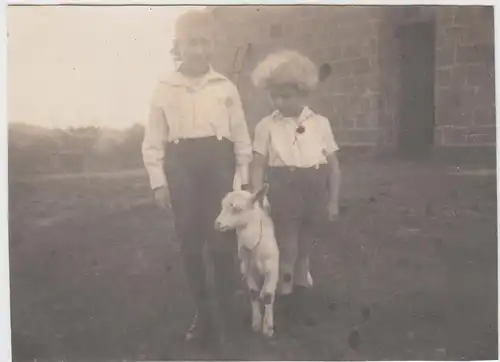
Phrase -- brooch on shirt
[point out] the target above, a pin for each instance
(300, 129)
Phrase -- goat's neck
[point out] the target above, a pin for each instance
(254, 231)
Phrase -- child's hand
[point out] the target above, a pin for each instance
(162, 199)
(333, 211)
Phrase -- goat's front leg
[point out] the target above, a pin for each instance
(243, 257)
(267, 297)
(254, 299)
(243, 268)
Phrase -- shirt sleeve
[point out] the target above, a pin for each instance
(328, 137)
(239, 128)
(153, 145)
(262, 138)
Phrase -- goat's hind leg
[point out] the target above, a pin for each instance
(255, 302)
(267, 296)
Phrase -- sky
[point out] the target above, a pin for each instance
(77, 66)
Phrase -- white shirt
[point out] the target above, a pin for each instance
(183, 109)
(277, 138)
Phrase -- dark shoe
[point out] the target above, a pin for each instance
(201, 328)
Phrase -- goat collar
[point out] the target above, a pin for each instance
(258, 241)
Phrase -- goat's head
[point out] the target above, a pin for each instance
(239, 208)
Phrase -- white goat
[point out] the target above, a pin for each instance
(257, 249)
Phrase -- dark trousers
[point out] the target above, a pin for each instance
(200, 172)
(299, 199)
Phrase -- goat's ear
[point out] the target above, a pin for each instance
(259, 195)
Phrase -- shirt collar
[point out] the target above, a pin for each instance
(179, 80)
(304, 115)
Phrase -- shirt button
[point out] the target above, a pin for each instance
(176, 141)
(219, 138)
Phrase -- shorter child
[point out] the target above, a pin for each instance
(296, 149)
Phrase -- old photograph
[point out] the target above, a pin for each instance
(252, 182)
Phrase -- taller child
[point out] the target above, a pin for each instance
(197, 139)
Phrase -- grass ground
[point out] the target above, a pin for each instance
(96, 274)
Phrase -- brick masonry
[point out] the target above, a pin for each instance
(361, 96)
(465, 77)
(349, 98)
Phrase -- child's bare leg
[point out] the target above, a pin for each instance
(302, 269)
(287, 237)
(303, 272)
(303, 280)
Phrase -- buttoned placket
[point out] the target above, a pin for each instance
(296, 146)
(195, 94)
(192, 102)
(299, 123)
(292, 125)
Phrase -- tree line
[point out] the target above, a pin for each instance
(38, 150)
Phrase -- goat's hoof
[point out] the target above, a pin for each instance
(268, 332)
(257, 326)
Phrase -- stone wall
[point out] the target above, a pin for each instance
(361, 97)
(465, 80)
(344, 37)
(389, 83)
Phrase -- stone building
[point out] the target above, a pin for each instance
(413, 78)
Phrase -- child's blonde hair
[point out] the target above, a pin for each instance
(189, 21)
(286, 67)
(194, 19)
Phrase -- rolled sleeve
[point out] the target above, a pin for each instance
(153, 146)
(261, 139)
(328, 137)
(239, 129)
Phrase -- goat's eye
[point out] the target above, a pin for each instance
(237, 209)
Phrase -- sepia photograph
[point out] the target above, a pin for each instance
(252, 182)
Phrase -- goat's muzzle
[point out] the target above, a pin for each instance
(220, 226)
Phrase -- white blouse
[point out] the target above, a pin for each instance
(305, 141)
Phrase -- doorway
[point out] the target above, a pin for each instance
(417, 65)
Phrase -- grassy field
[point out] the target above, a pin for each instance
(96, 274)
